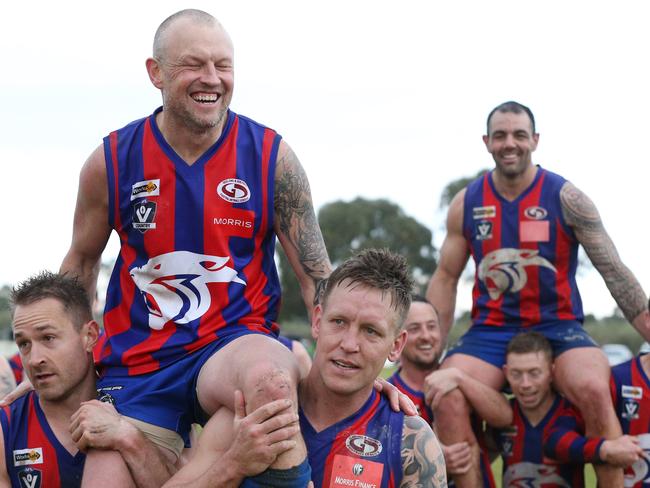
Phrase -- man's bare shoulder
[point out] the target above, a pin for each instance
(423, 463)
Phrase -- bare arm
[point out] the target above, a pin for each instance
(232, 448)
(97, 425)
(423, 464)
(488, 403)
(5, 482)
(582, 216)
(453, 258)
(297, 228)
(90, 228)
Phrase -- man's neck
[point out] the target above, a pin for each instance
(323, 407)
(645, 364)
(188, 144)
(511, 187)
(413, 376)
(536, 415)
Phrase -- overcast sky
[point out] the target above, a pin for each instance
(379, 99)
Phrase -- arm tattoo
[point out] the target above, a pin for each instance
(582, 216)
(297, 221)
(423, 464)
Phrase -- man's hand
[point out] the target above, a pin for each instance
(22, 389)
(439, 383)
(398, 400)
(261, 436)
(458, 457)
(622, 452)
(98, 425)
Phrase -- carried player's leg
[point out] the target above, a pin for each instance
(582, 375)
(452, 416)
(264, 370)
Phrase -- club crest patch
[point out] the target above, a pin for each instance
(30, 478)
(536, 213)
(630, 409)
(143, 216)
(362, 445)
(234, 190)
(483, 230)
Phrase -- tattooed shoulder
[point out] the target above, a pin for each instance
(423, 464)
(578, 209)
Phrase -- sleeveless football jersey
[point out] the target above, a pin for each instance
(417, 397)
(33, 455)
(362, 451)
(197, 243)
(521, 446)
(525, 254)
(631, 395)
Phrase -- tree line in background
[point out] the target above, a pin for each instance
(349, 227)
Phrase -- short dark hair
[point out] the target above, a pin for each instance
(191, 13)
(511, 107)
(530, 341)
(415, 298)
(380, 269)
(62, 287)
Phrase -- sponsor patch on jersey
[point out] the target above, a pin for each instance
(143, 215)
(362, 445)
(235, 221)
(147, 188)
(630, 409)
(483, 230)
(536, 213)
(24, 457)
(628, 391)
(360, 473)
(488, 212)
(30, 478)
(534, 231)
(234, 190)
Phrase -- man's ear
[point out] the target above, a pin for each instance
(89, 335)
(398, 345)
(153, 69)
(316, 318)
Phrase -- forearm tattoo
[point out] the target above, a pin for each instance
(297, 220)
(423, 464)
(581, 215)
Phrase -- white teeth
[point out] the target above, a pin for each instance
(206, 98)
(343, 365)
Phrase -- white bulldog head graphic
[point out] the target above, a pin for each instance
(531, 475)
(503, 270)
(174, 285)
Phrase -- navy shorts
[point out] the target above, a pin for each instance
(489, 343)
(167, 397)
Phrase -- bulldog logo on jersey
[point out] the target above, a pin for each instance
(143, 215)
(234, 190)
(640, 470)
(362, 445)
(533, 475)
(30, 478)
(174, 285)
(504, 270)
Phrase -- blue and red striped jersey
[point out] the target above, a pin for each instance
(630, 388)
(521, 447)
(16, 364)
(197, 243)
(525, 254)
(363, 450)
(33, 455)
(416, 396)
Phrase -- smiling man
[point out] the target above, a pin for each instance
(522, 225)
(198, 195)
